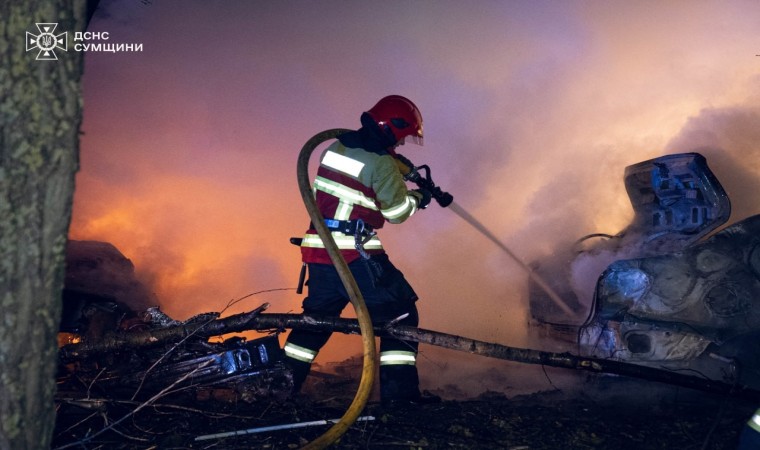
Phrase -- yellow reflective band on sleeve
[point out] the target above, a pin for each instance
(344, 193)
(342, 163)
(300, 353)
(397, 357)
(343, 241)
(754, 422)
(408, 207)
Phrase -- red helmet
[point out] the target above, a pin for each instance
(399, 117)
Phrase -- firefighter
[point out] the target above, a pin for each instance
(358, 187)
(750, 435)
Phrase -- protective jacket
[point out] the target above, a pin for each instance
(354, 183)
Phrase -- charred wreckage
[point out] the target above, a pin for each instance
(668, 294)
(185, 363)
(102, 300)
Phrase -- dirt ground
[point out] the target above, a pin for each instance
(605, 413)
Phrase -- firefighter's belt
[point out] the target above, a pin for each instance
(349, 227)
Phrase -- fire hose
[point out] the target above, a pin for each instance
(355, 295)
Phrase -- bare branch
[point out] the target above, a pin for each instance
(139, 408)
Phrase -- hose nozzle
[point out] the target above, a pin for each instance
(412, 173)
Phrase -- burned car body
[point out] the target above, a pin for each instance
(666, 295)
(693, 310)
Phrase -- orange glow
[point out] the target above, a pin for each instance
(193, 242)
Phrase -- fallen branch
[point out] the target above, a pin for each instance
(161, 336)
(522, 355)
(255, 320)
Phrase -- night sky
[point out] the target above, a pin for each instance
(532, 110)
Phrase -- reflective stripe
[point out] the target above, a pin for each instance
(344, 193)
(343, 211)
(342, 163)
(299, 353)
(754, 422)
(344, 242)
(408, 206)
(397, 357)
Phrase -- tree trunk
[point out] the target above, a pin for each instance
(40, 114)
(254, 320)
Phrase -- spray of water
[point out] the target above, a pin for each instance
(473, 222)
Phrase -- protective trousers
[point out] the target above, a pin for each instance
(388, 295)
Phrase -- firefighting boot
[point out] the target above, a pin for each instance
(300, 371)
(399, 383)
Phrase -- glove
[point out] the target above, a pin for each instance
(425, 200)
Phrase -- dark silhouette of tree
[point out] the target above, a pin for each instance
(40, 115)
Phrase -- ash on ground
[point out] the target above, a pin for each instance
(596, 412)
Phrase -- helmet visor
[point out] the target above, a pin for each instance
(401, 127)
(417, 137)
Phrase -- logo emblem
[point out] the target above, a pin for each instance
(46, 41)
